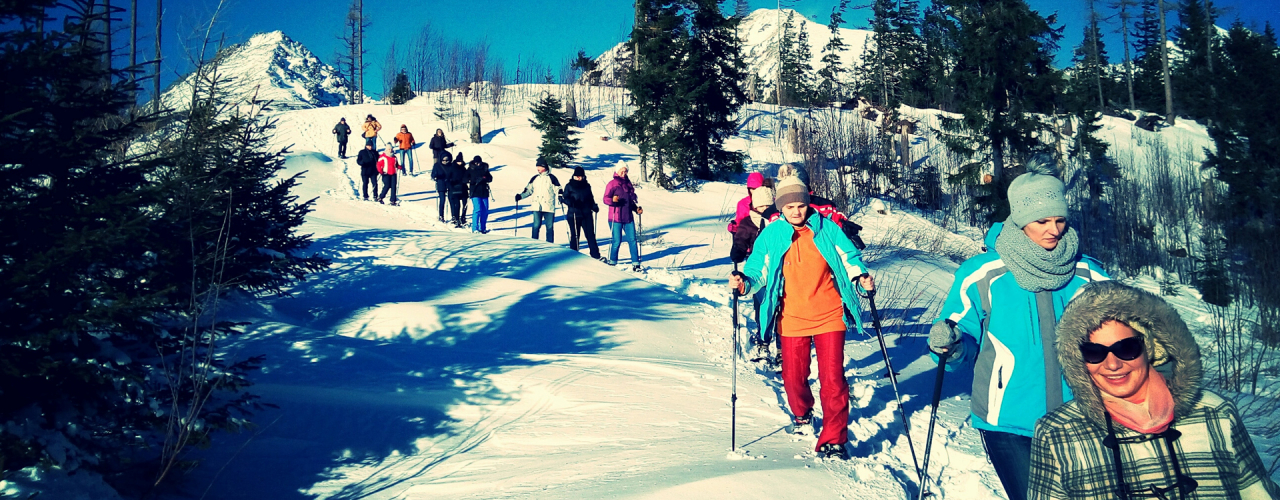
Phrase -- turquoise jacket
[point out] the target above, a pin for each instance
(1008, 333)
(763, 268)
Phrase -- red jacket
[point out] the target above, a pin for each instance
(387, 164)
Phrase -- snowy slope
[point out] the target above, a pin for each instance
(758, 33)
(276, 67)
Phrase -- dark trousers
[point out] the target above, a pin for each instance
(1010, 455)
(458, 207)
(580, 225)
(442, 196)
(369, 176)
(342, 148)
(388, 184)
(371, 141)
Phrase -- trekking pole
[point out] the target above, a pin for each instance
(933, 417)
(639, 233)
(733, 398)
(893, 379)
(515, 224)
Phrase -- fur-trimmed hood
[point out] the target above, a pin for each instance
(1168, 341)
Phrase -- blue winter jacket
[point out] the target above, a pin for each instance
(763, 268)
(1016, 330)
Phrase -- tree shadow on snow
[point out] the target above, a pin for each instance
(366, 359)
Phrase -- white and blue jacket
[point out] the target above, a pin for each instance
(1016, 377)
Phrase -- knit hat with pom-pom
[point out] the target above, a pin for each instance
(1035, 195)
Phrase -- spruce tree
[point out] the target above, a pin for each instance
(939, 47)
(907, 53)
(400, 91)
(658, 42)
(1193, 74)
(710, 89)
(1003, 74)
(1148, 75)
(830, 82)
(559, 146)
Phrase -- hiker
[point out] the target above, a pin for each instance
(479, 177)
(1140, 425)
(404, 141)
(388, 168)
(370, 130)
(1008, 301)
(438, 145)
(823, 206)
(542, 191)
(341, 131)
(367, 158)
(620, 196)
(580, 205)
(458, 180)
(744, 239)
(754, 181)
(806, 268)
(440, 174)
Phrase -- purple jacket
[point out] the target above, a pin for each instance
(626, 193)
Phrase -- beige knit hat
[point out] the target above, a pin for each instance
(761, 196)
(791, 190)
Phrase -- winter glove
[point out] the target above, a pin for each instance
(943, 335)
(517, 198)
(640, 210)
(595, 207)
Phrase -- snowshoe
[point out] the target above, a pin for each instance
(833, 451)
(802, 425)
(760, 352)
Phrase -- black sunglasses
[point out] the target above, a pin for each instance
(1127, 350)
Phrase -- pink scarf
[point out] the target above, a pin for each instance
(1150, 414)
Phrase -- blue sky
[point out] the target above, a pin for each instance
(550, 30)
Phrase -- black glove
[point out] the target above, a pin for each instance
(595, 207)
(517, 198)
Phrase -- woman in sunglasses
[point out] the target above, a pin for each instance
(1140, 425)
(1000, 317)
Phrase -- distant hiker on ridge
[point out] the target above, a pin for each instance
(809, 273)
(404, 141)
(368, 161)
(542, 191)
(340, 132)
(387, 167)
(371, 128)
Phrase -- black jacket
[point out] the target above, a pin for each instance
(437, 143)
(479, 176)
(367, 159)
(342, 130)
(457, 176)
(744, 239)
(440, 172)
(578, 197)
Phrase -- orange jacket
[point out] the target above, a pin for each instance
(811, 303)
(405, 140)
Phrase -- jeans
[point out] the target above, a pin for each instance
(371, 141)
(480, 215)
(834, 391)
(621, 231)
(1010, 455)
(548, 218)
(388, 184)
(442, 195)
(405, 157)
(580, 224)
(369, 176)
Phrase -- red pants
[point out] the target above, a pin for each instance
(834, 390)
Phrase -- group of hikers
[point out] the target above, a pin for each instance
(462, 184)
(1083, 388)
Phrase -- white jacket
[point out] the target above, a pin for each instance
(542, 192)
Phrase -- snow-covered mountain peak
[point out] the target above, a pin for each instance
(275, 67)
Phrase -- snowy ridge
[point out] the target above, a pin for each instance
(757, 32)
(277, 68)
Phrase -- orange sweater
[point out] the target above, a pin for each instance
(811, 304)
(405, 140)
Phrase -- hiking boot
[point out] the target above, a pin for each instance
(833, 450)
(806, 419)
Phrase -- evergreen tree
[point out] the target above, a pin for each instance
(795, 57)
(400, 91)
(1193, 74)
(938, 41)
(658, 43)
(830, 83)
(1003, 74)
(907, 52)
(1124, 12)
(875, 70)
(558, 146)
(1148, 75)
(1091, 62)
(711, 91)
(741, 9)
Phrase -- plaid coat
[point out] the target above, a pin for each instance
(1068, 457)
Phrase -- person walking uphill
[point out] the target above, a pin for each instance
(479, 178)
(580, 205)
(458, 180)
(1140, 425)
(620, 196)
(369, 130)
(368, 161)
(440, 174)
(404, 142)
(542, 192)
(389, 170)
(806, 270)
(340, 132)
(438, 145)
(1008, 302)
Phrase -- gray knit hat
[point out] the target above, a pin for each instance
(791, 190)
(1035, 195)
(761, 196)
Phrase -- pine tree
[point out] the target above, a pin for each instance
(830, 83)
(1148, 76)
(906, 53)
(1124, 12)
(658, 42)
(1193, 74)
(795, 61)
(875, 71)
(741, 9)
(1091, 58)
(938, 39)
(558, 146)
(1003, 74)
(711, 91)
(400, 91)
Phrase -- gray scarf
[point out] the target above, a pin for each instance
(1034, 268)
